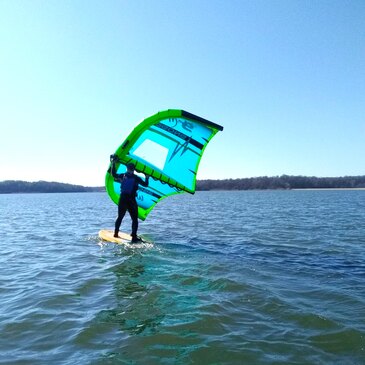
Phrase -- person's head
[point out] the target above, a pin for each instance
(130, 167)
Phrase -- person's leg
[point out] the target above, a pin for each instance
(122, 208)
(133, 211)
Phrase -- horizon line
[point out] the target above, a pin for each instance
(210, 179)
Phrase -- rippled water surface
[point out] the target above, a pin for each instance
(260, 277)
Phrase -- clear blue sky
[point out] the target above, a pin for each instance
(286, 79)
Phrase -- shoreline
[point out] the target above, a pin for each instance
(329, 189)
(283, 182)
(197, 191)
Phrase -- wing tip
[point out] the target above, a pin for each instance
(201, 120)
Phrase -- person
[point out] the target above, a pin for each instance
(128, 191)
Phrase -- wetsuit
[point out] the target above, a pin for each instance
(129, 184)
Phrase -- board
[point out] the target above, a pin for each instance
(123, 239)
(108, 235)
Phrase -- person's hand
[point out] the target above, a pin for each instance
(113, 158)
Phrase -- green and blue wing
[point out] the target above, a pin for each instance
(168, 147)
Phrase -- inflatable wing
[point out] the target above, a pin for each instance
(167, 146)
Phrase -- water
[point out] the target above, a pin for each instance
(258, 277)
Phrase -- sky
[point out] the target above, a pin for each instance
(285, 78)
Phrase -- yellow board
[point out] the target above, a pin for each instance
(123, 239)
(108, 235)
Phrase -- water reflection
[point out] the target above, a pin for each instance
(137, 300)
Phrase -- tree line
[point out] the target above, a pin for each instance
(283, 182)
(18, 186)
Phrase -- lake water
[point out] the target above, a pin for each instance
(249, 277)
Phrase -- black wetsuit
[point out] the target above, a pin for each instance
(127, 201)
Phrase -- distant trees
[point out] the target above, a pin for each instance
(18, 186)
(283, 182)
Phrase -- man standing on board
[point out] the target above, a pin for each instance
(128, 191)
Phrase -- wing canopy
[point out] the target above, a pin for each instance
(167, 146)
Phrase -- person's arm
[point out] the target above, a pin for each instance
(145, 182)
(113, 170)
